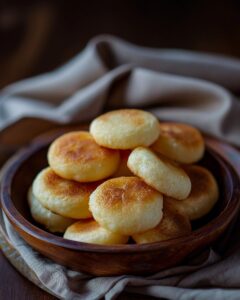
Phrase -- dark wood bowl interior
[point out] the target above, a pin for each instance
(111, 260)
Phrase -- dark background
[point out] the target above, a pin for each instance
(37, 36)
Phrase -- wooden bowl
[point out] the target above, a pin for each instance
(113, 260)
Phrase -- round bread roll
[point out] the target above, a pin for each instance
(126, 205)
(76, 156)
(180, 142)
(64, 197)
(89, 231)
(51, 221)
(123, 169)
(173, 225)
(160, 173)
(125, 129)
(203, 196)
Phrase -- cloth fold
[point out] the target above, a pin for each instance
(195, 88)
(111, 73)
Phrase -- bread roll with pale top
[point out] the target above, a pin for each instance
(67, 198)
(173, 225)
(203, 196)
(126, 205)
(51, 221)
(180, 142)
(76, 156)
(159, 173)
(89, 231)
(125, 129)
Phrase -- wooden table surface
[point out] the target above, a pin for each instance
(13, 286)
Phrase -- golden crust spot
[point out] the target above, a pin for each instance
(133, 116)
(69, 188)
(182, 133)
(84, 226)
(79, 147)
(122, 191)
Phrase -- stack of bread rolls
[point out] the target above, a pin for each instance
(130, 178)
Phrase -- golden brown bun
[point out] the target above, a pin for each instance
(89, 231)
(125, 129)
(76, 156)
(126, 205)
(173, 225)
(203, 196)
(123, 169)
(64, 197)
(51, 221)
(159, 173)
(180, 142)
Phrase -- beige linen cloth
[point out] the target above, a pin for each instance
(110, 73)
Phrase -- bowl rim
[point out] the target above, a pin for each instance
(18, 220)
